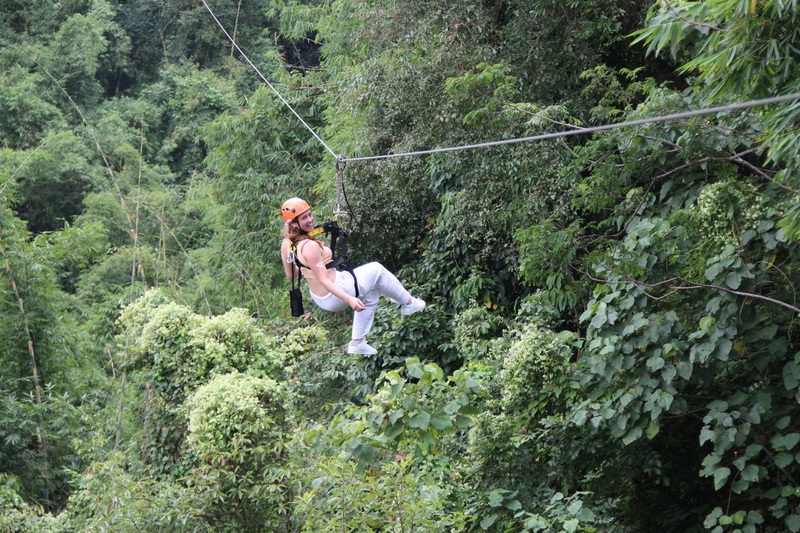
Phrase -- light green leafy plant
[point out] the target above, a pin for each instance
(236, 415)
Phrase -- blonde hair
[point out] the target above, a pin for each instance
(293, 233)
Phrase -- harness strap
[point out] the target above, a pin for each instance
(341, 263)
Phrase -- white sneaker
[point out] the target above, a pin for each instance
(361, 349)
(415, 306)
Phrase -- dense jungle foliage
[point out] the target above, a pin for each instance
(611, 341)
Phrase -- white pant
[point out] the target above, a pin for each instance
(374, 281)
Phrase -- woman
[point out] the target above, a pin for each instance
(333, 290)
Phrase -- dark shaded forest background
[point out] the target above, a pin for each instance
(611, 340)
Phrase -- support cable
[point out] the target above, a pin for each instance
(265, 80)
(341, 159)
(593, 129)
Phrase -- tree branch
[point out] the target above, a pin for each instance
(691, 22)
(691, 285)
(763, 174)
(695, 285)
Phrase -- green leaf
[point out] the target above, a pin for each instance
(789, 490)
(420, 420)
(434, 370)
(496, 498)
(783, 459)
(700, 352)
(791, 375)
(684, 369)
(721, 476)
(396, 388)
(393, 431)
(514, 505)
(537, 523)
(655, 363)
(441, 420)
(599, 319)
(753, 450)
(706, 323)
(364, 452)
(785, 442)
(723, 350)
(416, 370)
(462, 421)
(574, 507)
(396, 415)
(632, 435)
(652, 430)
(713, 271)
(469, 410)
(750, 473)
(452, 407)
(487, 522)
(712, 518)
(733, 280)
(668, 374)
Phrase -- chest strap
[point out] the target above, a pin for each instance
(341, 263)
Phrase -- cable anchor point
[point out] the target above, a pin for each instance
(340, 163)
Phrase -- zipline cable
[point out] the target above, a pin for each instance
(265, 80)
(341, 159)
(593, 129)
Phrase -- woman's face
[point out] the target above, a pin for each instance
(305, 221)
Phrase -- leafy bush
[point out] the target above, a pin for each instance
(185, 349)
(477, 330)
(384, 462)
(321, 375)
(391, 497)
(111, 497)
(425, 335)
(535, 371)
(236, 417)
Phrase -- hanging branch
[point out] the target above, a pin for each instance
(37, 389)
(236, 27)
(90, 129)
(691, 22)
(164, 226)
(133, 223)
(686, 285)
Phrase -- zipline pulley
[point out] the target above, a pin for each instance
(337, 206)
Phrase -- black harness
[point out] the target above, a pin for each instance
(342, 263)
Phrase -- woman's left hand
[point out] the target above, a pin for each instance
(356, 304)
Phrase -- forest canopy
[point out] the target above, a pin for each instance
(609, 342)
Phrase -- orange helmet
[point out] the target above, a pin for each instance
(293, 207)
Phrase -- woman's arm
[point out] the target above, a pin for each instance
(314, 256)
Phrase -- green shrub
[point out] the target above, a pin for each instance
(234, 416)
(238, 431)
